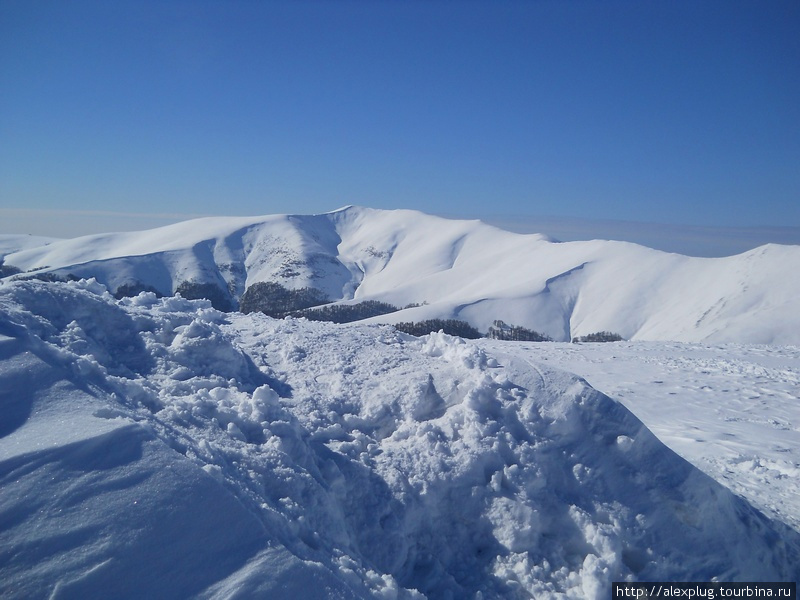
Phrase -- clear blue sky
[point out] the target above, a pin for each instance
(674, 111)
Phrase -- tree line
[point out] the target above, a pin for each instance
(275, 300)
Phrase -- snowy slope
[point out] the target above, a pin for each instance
(159, 448)
(452, 269)
(10, 243)
(731, 410)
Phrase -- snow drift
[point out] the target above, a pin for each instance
(156, 447)
(431, 267)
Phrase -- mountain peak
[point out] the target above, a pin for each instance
(442, 268)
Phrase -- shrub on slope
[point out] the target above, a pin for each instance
(275, 300)
(219, 298)
(513, 333)
(448, 326)
(600, 336)
(347, 313)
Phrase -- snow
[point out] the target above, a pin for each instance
(454, 269)
(732, 410)
(156, 447)
(10, 243)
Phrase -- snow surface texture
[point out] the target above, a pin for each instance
(158, 448)
(452, 269)
(732, 410)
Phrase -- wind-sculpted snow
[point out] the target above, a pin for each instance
(155, 447)
(435, 268)
(731, 410)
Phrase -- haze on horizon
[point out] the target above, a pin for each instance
(704, 241)
(674, 125)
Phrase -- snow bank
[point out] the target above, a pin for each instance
(731, 410)
(160, 448)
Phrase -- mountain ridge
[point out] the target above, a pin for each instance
(446, 269)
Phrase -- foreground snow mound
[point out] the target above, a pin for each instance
(159, 448)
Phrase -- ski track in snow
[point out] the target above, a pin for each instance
(160, 448)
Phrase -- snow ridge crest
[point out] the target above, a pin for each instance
(429, 267)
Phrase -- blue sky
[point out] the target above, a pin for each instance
(683, 112)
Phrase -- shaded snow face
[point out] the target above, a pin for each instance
(349, 461)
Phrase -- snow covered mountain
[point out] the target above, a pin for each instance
(158, 448)
(430, 267)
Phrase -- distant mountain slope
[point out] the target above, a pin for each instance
(10, 243)
(450, 269)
